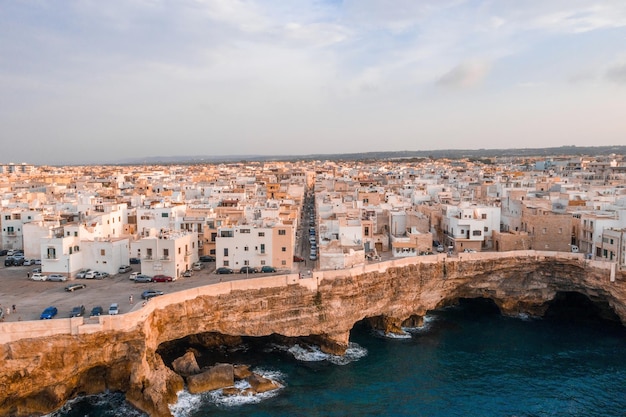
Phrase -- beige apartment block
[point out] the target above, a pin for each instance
(548, 230)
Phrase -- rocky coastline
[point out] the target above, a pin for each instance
(40, 374)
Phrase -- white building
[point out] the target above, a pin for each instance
(169, 253)
(239, 246)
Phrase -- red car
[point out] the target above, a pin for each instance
(298, 259)
(161, 278)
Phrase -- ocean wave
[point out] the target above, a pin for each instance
(427, 324)
(314, 354)
(188, 403)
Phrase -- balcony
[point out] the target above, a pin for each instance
(148, 258)
(165, 258)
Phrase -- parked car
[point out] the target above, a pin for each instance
(247, 270)
(134, 261)
(37, 262)
(223, 270)
(114, 309)
(188, 273)
(101, 275)
(148, 294)
(267, 268)
(4, 252)
(82, 273)
(313, 256)
(298, 259)
(48, 313)
(78, 311)
(36, 270)
(96, 311)
(197, 266)
(28, 262)
(74, 287)
(143, 278)
(39, 277)
(161, 278)
(57, 278)
(124, 268)
(8, 261)
(91, 274)
(207, 258)
(133, 275)
(17, 261)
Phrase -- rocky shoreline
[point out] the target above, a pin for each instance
(41, 373)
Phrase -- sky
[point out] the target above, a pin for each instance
(95, 81)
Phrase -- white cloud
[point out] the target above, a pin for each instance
(466, 74)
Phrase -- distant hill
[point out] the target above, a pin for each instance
(385, 155)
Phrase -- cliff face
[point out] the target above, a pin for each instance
(40, 374)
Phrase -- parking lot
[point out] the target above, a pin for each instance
(32, 297)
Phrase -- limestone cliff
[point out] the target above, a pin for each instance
(39, 374)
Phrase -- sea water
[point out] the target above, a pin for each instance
(464, 361)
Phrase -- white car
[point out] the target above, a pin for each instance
(114, 309)
(91, 274)
(39, 277)
(133, 275)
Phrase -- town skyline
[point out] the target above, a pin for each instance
(88, 82)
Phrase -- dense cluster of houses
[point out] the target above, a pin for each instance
(254, 213)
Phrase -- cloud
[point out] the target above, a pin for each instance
(617, 73)
(466, 74)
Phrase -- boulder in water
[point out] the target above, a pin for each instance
(260, 384)
(218, 376)
(186, 364)
(242, 372)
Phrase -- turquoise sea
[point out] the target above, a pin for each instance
(465, 361)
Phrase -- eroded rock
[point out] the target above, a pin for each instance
(218, 376)
(186, 364)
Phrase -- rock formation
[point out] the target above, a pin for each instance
(39, 374)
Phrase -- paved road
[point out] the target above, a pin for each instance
(31, 297)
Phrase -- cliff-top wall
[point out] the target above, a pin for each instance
(46, 363)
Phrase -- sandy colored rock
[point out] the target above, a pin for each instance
(186, 364)
(260, 384)
(216, 377)
(241, 371)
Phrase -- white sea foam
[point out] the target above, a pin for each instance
(389, 335)
(314, 354)
(186, 403)
(425, 327)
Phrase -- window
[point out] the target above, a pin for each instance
(544, 230)
(484, 216)
(102, 252)
(75, 233)
(262, 247)
(166, 253)
(476, 233)
(212, 252)
(149, 253)
(245, 248)
(225, 251)
(283, 262)
(284, 249)
(225, 263)
(165, 215)
(486, 229)
(560, 230)
(244, 231)
(261, 234)
(213, 236)
(246, 262)
(367, 230)
(282, 232)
